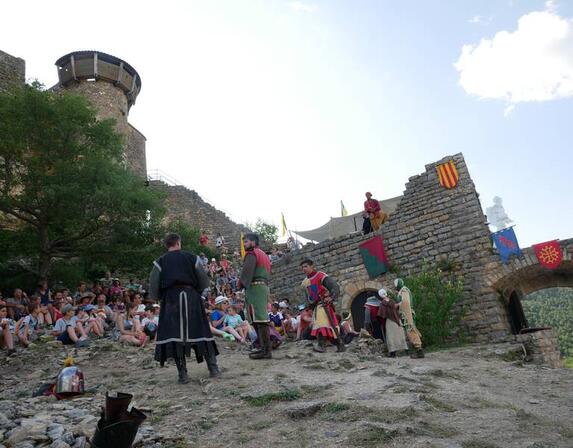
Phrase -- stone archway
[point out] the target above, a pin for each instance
(350, 290)
(357, 307)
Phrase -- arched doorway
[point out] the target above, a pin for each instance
(517, 318)
(357, 308)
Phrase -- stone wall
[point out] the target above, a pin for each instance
(431, 224)
(541, 347)
(135, 151)
(186, 205)
(12, 71)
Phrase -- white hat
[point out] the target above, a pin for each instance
(140, 309)
(220, 299)
(382, 292)
(283, 304)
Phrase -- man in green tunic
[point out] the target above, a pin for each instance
(254, 278)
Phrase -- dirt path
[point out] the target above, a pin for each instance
(470, 397)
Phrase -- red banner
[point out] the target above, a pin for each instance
(549, 254)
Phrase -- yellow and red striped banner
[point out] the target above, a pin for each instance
(448, 174)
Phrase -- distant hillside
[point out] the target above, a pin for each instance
(553, 308)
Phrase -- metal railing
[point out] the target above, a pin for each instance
(162, 176)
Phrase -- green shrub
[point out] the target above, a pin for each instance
(434, 297)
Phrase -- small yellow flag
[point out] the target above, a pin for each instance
(243, 252)
(343, 210)
(284, 226)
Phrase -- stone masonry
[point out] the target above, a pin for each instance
(186, 205)
(12, 71)
(431, 225)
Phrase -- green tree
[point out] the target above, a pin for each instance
(64, 191)
(435, 295)
(268, 233)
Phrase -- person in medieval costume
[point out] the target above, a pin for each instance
(372, 323)
(254, 278)
(321, 290)
(405, 300)
(388, 312)
(374, 211)
(177, 280)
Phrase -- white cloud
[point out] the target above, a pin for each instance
(303, 7)
(532, 63)
(480, 20)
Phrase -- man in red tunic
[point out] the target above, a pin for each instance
(321, 290)
(374, 211)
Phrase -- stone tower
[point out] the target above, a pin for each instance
(112, 86)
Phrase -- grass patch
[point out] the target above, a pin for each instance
(333, 408)
(261, 425)
(438, 404)
(437, 430)
(265, 399)
(568, 362)
(371, 435)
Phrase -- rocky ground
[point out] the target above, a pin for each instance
(468, 397)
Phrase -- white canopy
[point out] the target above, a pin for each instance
(345, 225)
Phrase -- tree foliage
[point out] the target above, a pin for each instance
(268, 233)
(64, 190)
(435, 296)
(552, 308)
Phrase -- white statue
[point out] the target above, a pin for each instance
(496, 215)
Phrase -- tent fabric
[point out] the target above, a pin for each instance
(345, 225)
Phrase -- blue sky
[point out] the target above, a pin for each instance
(320, 101)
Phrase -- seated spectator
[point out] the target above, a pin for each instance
(217, 318)
(103, 311)
(115, 287)
(89, 321)
(86, 299)
(304, 325)
(276, 317)
(82, 288)
(235, 325)
(27, 327)
(275, 255)
(290, 324)
(224, 263)
(213, 268)
(7, 329)
(347, 332)
(151, 321)
(67, 330)
(128, 328)
(17, 305)
(203, 260)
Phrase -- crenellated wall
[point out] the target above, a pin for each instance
(12, 71)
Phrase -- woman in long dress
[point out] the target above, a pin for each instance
(395, 338)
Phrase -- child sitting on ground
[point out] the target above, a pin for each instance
(27, 327)
(7, 328)
(151, 321)
(67, 330)
(234, 322)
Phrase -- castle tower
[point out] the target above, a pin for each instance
(112, 86)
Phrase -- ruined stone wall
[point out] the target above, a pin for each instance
(430, 224)
(12, 71)
(186, 205)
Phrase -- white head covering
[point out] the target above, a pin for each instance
(382, 292)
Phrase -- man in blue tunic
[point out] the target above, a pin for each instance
(177, 280)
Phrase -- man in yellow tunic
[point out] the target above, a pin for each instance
(405, 300)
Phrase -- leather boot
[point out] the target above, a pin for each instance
(320, 344)
(214, 371)
(257, 347)
(419, 353)
(181, 370)
(265, 352)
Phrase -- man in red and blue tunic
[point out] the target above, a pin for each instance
(321, 290)
(254, 278)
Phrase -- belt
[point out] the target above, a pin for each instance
(258, 282)
(182, 285)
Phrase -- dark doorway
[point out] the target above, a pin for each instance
(516, 316)
(357, 308)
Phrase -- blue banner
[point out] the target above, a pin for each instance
(506, 242)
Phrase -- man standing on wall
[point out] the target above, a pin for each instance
(405, 300)
(254, 278)
(321, 290)
(177, 280)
